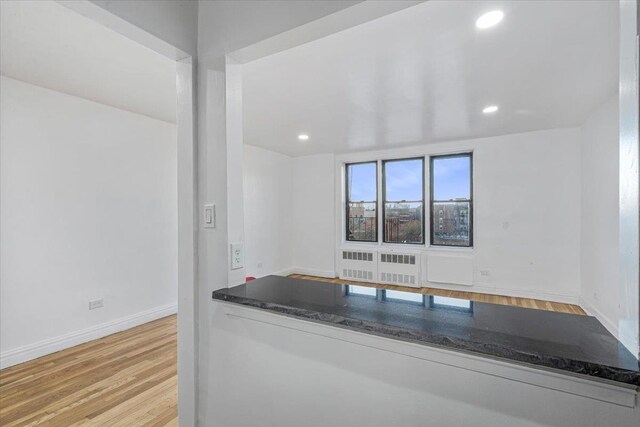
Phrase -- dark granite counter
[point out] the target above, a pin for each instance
(565, 342)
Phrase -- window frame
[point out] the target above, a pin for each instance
(347, 201)
(438, 306)
(468, 154)
(385, 298)
(384, 201)
(349, 293)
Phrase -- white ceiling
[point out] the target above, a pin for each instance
(424, 74)
(46, 44)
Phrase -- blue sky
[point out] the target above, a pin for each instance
(404, 179)
(451, 178)
(362, 179)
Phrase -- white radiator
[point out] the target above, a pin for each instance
(359, 265)
(399, 268)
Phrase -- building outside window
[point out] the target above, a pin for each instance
(403, 204)
(452, 199)
(362, 202)
(403, 199)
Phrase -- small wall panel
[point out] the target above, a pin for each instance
(453, 270)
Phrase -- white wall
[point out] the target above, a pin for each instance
(288, 213)
(88, 211)
(600, 226)
(527, 193)
(527, 212)
(313, 215)
(268, 216)
(629, 244)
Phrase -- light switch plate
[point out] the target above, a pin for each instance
(210, 215)
(237, 256)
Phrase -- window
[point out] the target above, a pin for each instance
(399, 296)
(362, 201)
(403, 196)
(451, 200)
(455, 304)
(364, 291)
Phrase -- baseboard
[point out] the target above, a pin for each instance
(564, 299)
(52, 345)
(595, 312)
(312, 272)
(307, 272)
(284, 272)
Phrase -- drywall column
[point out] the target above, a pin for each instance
(629, 178)
(187, 237)
(235, 208)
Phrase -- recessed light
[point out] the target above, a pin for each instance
(490, 109)
(303, 137)
(489, 19)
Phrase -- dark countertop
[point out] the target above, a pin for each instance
(566, 342)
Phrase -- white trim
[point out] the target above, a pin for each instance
(564, 299)
(580, 385)
(284, 272)
(61, 342)
(312, 272)
(307, 272)
(592, 310)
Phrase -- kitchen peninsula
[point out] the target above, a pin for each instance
(303, 337)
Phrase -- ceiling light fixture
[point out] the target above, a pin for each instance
(303, 137)
(489, 19)
(490, 109)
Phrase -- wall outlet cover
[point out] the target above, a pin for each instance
(237, 256)
(96, 303)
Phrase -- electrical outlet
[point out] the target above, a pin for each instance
(96, 303)
(486, 273)
(237, 256)
(259, 265)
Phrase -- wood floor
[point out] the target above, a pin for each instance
(125, 379)
(473, 296)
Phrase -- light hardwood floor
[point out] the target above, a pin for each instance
(125, 379)
(473, 296)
